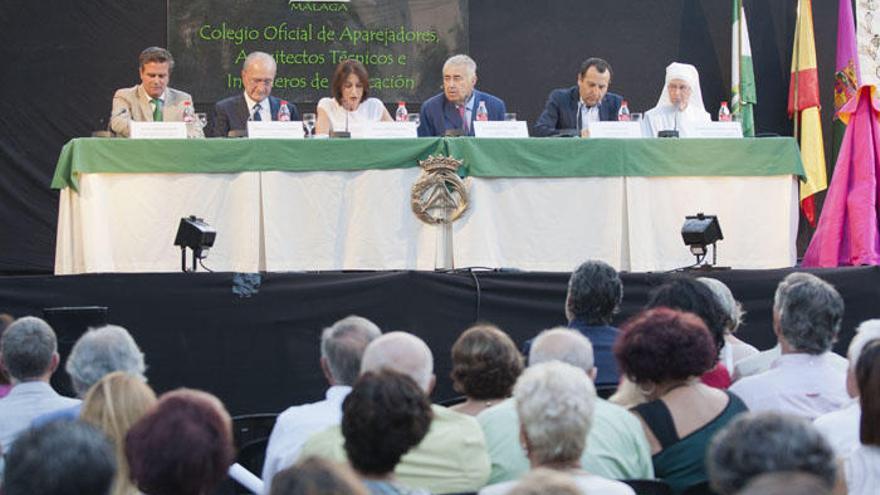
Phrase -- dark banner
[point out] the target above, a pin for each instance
(399, 41)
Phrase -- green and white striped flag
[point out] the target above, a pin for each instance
(742, 72)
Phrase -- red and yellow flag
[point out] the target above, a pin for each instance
(803, 106)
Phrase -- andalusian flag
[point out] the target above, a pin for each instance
(847, 77)
(803, 107)
(742, 72)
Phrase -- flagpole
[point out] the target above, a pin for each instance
(740, 14)
(797, 54)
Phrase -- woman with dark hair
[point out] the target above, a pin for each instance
(183, 446)
(664, 352)
(862, 467)
(317, 476)
(350, 104)
(485, 365)
(5, 383)
(385, 415)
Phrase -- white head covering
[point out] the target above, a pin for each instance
(695, 110)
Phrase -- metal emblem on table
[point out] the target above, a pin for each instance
(439, 197)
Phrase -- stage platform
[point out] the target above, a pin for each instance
(252, 339)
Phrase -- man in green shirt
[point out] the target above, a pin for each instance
(616, 444)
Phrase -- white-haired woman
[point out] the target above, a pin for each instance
(734, 350)
(555, 403)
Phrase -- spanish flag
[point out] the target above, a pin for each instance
(803, 107)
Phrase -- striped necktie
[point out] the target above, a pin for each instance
(257, 116)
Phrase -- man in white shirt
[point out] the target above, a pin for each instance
(29, 354)
(803, 381)
(841, 428)
(342, 347)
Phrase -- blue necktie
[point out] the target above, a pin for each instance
(257, 109)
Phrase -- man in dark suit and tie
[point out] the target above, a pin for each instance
(455, 109)
(256, 102)
(572, 109)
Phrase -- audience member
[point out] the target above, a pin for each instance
(113, 405)
(616, 446)
(841, 427)
(342, 346)
(452, 457)
(5, 384)
(485, 365)
(455, 109)
(734, 349)
(767, 442)
(786, 483)
(803, 381)
(555, 403)
(385, 415)
(543, 481)
(95, 354)
(182, 446)
(664, 352)
(762, 361)
(862, 466)
(28, 353)
(61, 458)
(350, 104)
(316, 476)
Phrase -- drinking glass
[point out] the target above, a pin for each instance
(510, 117)
(203, 119)
(635, 117)
(309, 123)
(414, 118)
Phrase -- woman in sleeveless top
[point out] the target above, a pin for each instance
(350, 105)
(664, 352)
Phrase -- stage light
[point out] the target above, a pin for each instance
(700, 231)
(195, 234)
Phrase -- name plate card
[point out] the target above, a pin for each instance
(157, 130)
(385, 130)
(715, 130)
(501, 129)
(271, 129)
(616, 130)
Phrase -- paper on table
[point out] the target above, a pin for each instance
(157, 130)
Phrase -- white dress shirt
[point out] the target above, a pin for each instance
(762, 362)
(841, 428)
(26, 401)
(862, 470)
(265, 108)
(295, 425)
(805, 385)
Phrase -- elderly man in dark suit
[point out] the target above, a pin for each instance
(256, 102)
(572, 109)
(456, 108)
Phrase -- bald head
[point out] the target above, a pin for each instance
(402, 352)
(562, 344)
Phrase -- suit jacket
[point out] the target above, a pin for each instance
(560, 112)
(132, 104)
(233, 113)
(438, 114)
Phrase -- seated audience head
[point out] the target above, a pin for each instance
(182, 446)
(786, 483)
(28, 350)
(594, 293)
(5, 321)
(155, 69)
(543, 481)
(555, 403)
(459, 78)
(100, 351)
(686, 294)
(593, 80)
(866, 332)
(384, 416)
(258, 75)
(342, 348)
(661, 346)
(731, 307)
(402, 352)
(807, 312)
(563, 344)
(485, 363)
(113, 405)
(758, 443)
(868, 379)
(350, 84)
(317, 476)
(60, 458)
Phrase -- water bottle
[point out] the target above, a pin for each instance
(401, 114)
(189, 118)
(724, 113)
(482, 113)
(283, 112)
(623, 114)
